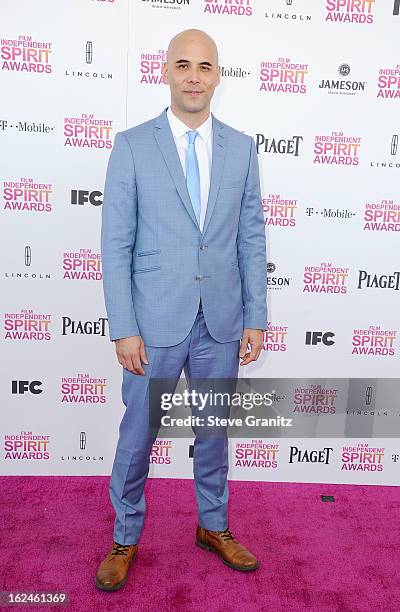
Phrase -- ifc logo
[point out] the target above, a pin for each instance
(344, 70)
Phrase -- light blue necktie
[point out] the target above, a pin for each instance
(193, 174)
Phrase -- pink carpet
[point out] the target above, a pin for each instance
(323, 556)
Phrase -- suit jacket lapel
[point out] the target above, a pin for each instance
(217, 167)
(166, 142)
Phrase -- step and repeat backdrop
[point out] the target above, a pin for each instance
(316, 83)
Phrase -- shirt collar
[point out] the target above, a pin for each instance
(179, 128)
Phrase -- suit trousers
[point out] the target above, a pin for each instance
(201, 357)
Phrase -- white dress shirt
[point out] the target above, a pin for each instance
(203, 147)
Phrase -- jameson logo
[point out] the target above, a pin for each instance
(168, 4)
(342, 86)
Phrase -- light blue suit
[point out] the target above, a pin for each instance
(156, 261)
(157, 265)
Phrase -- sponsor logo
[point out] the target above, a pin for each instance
(316, 337)
(275, 337)
(374, 341)
(298, 455)
(256, 454)
(362, 458)
(26, 55)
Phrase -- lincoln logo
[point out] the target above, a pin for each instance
(368, 396)
(82, 440)
(28, 256)
(395, 142)
(89, 52)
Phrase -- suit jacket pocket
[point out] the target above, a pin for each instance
(146, 261)
(149, 252)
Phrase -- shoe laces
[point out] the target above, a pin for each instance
(119, 549)
(227, 535)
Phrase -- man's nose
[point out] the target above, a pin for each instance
(193, 76)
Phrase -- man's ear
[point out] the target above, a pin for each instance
(164, 71)
(219, 75)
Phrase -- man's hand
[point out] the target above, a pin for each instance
(254, 337)
(130, 353)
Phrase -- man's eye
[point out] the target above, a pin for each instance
(206, 67)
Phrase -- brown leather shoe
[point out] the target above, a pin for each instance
(227, 547)
(112, 573)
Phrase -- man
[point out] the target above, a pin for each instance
(184, 268)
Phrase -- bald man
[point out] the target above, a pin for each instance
(184, 277)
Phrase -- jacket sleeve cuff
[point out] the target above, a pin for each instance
(117, 332)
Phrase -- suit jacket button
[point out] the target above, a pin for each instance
(202, 247)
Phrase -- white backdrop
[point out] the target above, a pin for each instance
(300, 77)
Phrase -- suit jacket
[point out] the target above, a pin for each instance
(156, 261)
